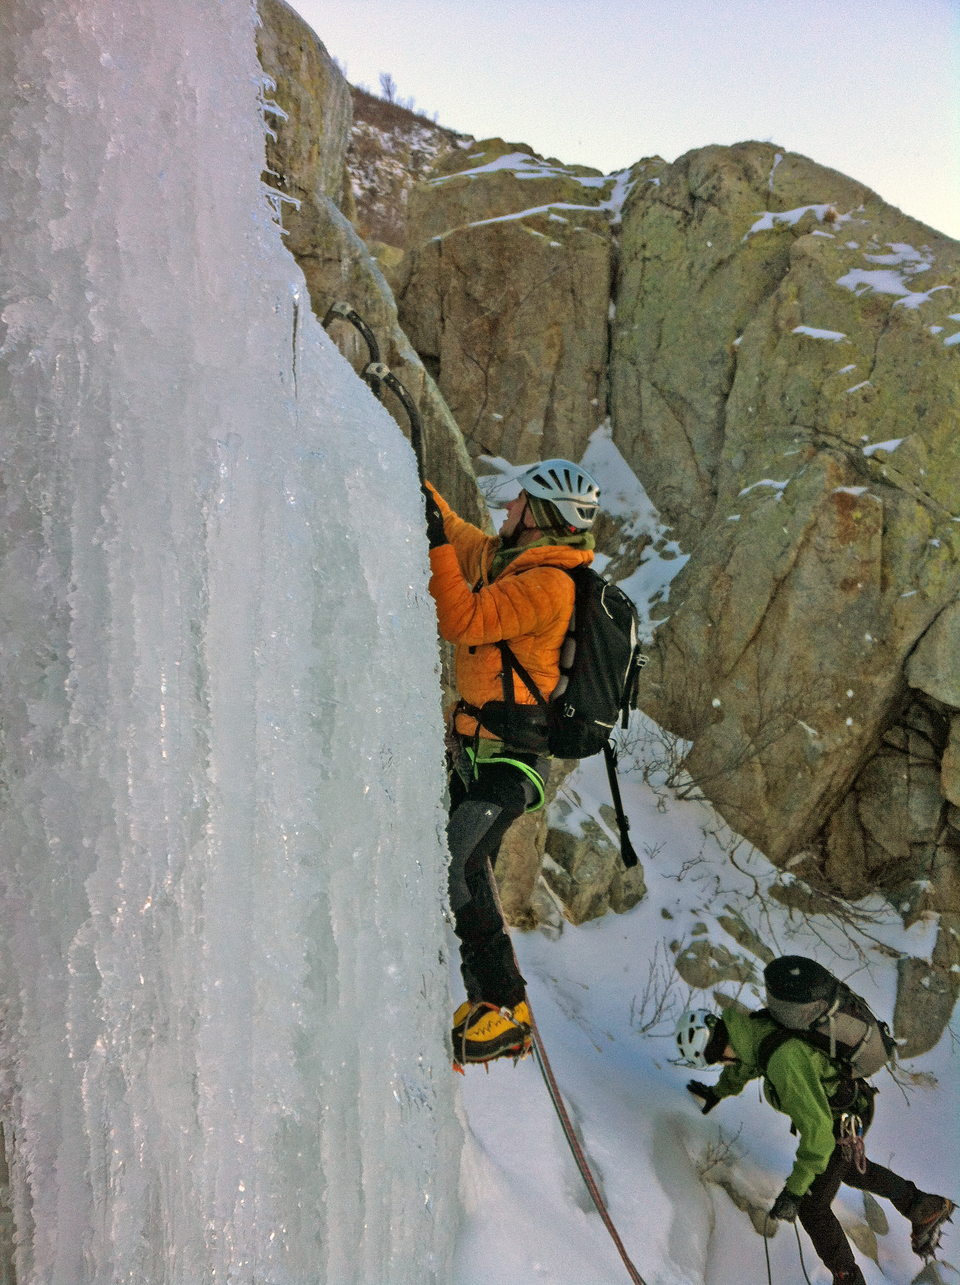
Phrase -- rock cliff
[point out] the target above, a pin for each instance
(775, 352)
(785, 380)
(306, 165)
(504, 291)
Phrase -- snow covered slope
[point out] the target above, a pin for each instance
(606, 997)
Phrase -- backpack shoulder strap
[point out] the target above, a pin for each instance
(848, 1089)
(627, 850)
(513, 666)
(776, 1039)
(771, 1042)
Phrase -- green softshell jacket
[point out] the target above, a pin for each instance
(800, 1082)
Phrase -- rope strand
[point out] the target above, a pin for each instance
(540, 1055)
(766, 1251)
(549, 1079)
(803, 1266)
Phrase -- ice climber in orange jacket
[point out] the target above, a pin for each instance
(490, 590)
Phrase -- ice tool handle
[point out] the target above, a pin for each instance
(376, 373)
(345, 312)
(379, 372)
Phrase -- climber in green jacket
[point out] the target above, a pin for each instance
(829, 1111)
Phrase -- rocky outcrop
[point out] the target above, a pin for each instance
(305, 157)
(518, 870)
(927, 991)
(821, 477)
(391, 149)
(704, 965)
(305, 163)
(786, 383)
(777, 351)
(697, 262)
(582, 867)
(504, 292)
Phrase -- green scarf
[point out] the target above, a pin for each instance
(504, 556)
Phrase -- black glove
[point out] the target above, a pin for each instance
(435, 532)
(785, 1207)
(707, 1093)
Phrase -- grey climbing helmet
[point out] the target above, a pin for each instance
(695, 1030)
(568, 487)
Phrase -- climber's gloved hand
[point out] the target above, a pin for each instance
(435, 532)
(706, 1093)
(786, 1207)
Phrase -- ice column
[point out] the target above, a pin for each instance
(221, 864)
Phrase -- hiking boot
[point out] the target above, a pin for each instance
(482, 1032)
(927, 1216)
(851, 1276)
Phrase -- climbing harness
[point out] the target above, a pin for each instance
(850, 1139)
(766, 1250)
(543, 1062)
(536, 780)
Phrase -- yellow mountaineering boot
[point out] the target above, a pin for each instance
(482, 1032)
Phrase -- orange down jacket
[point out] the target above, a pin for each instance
(528, 605)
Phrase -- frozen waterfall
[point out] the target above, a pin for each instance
(224, 985)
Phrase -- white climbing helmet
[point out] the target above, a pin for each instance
(693, 1034)
(568, 487)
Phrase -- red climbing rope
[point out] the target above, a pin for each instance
(543, 1062)
(549, 1079)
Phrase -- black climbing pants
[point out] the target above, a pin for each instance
(481, 812)
(821, 1223)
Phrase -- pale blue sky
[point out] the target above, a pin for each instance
(868, 87)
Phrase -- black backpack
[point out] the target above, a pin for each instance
(807, 1002)
(600, 664)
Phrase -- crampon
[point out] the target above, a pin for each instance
(483, 1032)
(927, 1224)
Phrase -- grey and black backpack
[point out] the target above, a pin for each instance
(807, 1002)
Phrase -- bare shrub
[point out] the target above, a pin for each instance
(661, 999)
(718, 1154)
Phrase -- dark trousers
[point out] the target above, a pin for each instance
(480, 815)
(821, 1223)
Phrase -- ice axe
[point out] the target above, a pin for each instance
(376, 373)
